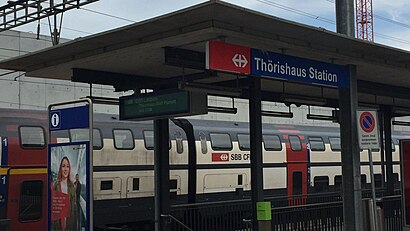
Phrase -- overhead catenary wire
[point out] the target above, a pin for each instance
(330, 21)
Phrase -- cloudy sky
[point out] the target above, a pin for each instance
(391, 17)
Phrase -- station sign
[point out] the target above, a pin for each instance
(69, 118)
(232, 58)
(163, 104)
(368, 129)
(70, 173)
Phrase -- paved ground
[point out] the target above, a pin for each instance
(406, 229)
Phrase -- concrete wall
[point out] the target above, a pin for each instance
(20, 91)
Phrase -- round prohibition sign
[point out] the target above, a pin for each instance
(367, 122)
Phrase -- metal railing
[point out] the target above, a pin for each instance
(5, 225)
(305, 212)
(392, 212)
(215, 216)
(321, 216)
(177, 222)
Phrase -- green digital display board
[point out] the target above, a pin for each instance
(163, 104)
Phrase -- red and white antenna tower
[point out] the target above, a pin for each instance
(364, 20)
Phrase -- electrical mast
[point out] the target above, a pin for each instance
(364, 20)
(20, 12)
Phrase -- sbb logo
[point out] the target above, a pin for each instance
(220, 157)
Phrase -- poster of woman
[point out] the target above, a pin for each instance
(68, 188)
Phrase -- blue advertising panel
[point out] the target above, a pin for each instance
(69, 118)
(69, 186)
(274, 65)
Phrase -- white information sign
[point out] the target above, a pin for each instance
(368, 129)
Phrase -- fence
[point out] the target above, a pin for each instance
(215, 216)
(4, 225)
(310, 212)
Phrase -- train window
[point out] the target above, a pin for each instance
(31, 200)
(106, 185)
(149, 140)
(173, 184)
(240, 179)
(81, 134)
(32, 137)
(297, 183)
(295, 143)
(321, 183)
(338, 181)
(378, 180)
(136, 184)
(316, 144)
(335, 143)
(202, 138)
(272, 143)
(396, 178)
(178, 139)
(244, 143)
(123, 139)
(363, 179)
(97, 139)
(393, 147)
(173, 187)
(221, 141)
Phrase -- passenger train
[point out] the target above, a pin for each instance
(296, 160)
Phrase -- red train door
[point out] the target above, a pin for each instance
(297, 168)
(27, 198)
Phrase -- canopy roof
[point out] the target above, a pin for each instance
(137, 51)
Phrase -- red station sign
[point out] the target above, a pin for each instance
(228, 57)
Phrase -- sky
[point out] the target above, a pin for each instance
(391, 17)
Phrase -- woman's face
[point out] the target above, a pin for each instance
(65, 169)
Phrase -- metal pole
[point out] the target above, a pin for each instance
(345, 17)
(376, 223)
(382, 150)
(352, 195)
(255, 128)
(388, 150)
(161, 169)
(352, 191)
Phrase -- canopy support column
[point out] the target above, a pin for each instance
(161, 170)
(352, 193)
(255, 129)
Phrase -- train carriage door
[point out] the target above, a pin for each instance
(297, 168)
(27, 198)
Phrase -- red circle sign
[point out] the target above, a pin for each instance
(367, 122)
